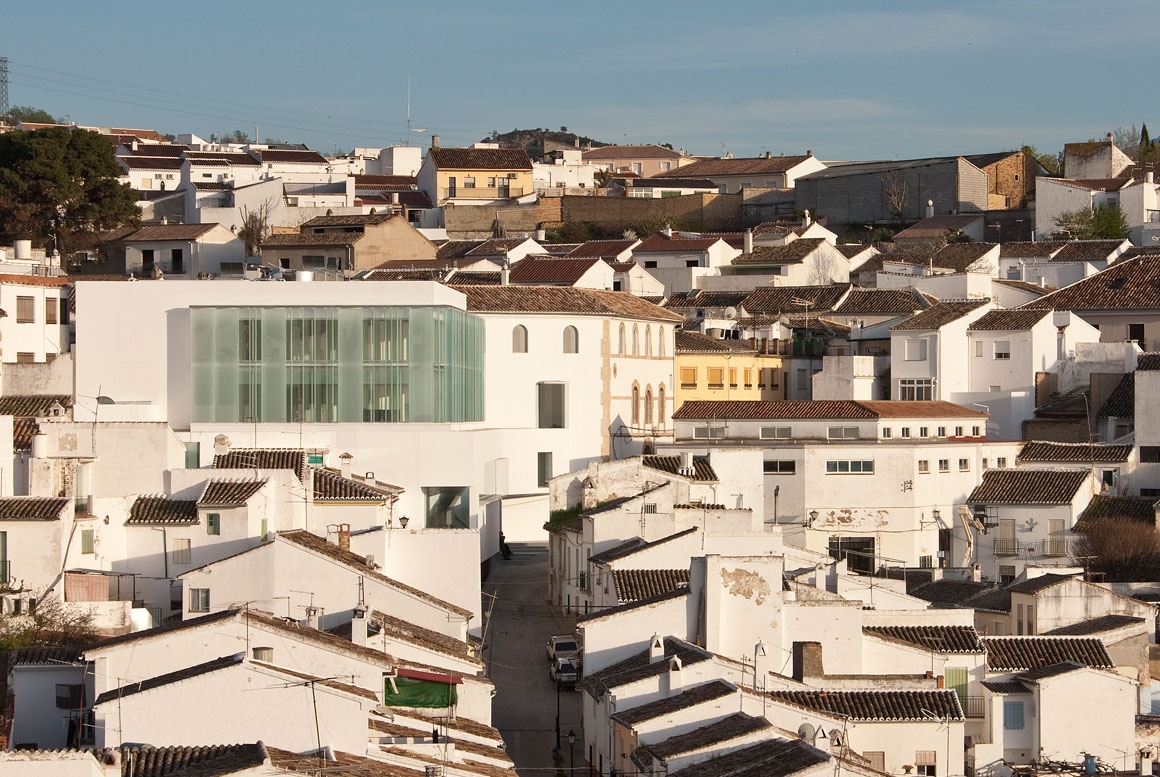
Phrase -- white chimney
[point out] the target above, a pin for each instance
(656, 649)
(505, 271)
(221, 445)
(1146, 762)
(687, 469)
(358, 626)
(394, 198)
(806, 219)
(748, 241)
(312, 617)
(1042, 282)
(667, 231)
(675, 674)
(111, 761)
(344, 462)
(1150, 177)
(930, 209)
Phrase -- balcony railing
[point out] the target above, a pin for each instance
(976, 707)
(1005, 547)
(1055, 547)
(481, 192)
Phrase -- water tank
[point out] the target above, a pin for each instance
(23, 249)
(304, 275)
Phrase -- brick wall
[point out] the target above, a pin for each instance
(709, 212)
(476, 222)
(1001, 179)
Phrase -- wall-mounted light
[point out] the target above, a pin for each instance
(813, 517)
(404, 521)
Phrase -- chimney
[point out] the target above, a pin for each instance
(687, 468)
(1150, 177)
(505, 271)
(656, 649)
(748, 242)
(1110, 137)
(344, 462)
(588, 499)
(667, 231)
(930, 209)
(1042, 282)
(941, 682)
(164, 220)
(111, 761)
(809, 152)
(344, 536)
(434, 141)
(976, 573)
(358, 626)
(221, 445)
(394, 198)
(1146, 762)
(807, 660)
(806, 219)
(312, 617)
(541, 235)
(675, 674)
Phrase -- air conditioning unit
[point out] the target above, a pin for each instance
(157, 176)
(512, 176)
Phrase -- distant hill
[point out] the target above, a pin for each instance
(534, 140)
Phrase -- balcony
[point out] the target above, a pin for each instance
(1005, 547)
(1055, 547)
(481, 192)
(975, 707)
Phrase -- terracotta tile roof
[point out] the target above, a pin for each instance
(937, 226)
(661, 182)
(349, 688)
(771, 758)
(1034, 585)
(948, 593)
(1029, 486)
(480, 159)
(633, 585)
(1018, 320)
(349, 220)
(688, 697)
(159, 232)
(156, 149)
(212, 186)
(1088, 250)
(1005, 687)
(264, 458)
(850, 250)
(646, 151)
(1074, 451)
(695, 342)
(185, 673)
(162, 511)
(191, 761)
(368, 181)
(705, 299)
(228, 493)
(876, 705)
(959, 257)
(631, 546)
(736, 166)
(31, 508)
(600, 248)
(940, 314)
(496, 246)
(314, 239)
(284, 155)
(168, 628)
(456, 249)
(475, 278)
(1026, 250)
(639, 667)
(991, 600)
(532, 270)
(313, 542)
(939, 639)
(151, 162)
(1098, 625)
(880, 302)
(26, 406)
(44, 654)
(1148, 362)
(398, 628)
(438, 275)
(837, 409)
(564, 300)
(736, 725)
(794, 252)
(676, 593)
(1129, 284)
(331, 486)
(1141, 509)
(1121, 403)
(658, 243)
(344, 764)
(702, 469)
(1095, 184)
(1019, 654)
(779, 299)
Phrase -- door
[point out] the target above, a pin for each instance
(147, 261)
(1005, 545)
(504, 187)
(451, 186)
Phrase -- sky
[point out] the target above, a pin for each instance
(847, 79)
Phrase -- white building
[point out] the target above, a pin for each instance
(927, 350)
(35, 327)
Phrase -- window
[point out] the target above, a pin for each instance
(635, 405)
(69, 697)
(688, 377)
(922, 432)
(857, 551)
(543, 468)
(551, 405)
(732, 377)
(519, 339)
(781, 467)
(877, 759)
(661, 404)
(446, 507)
(571, 340)
(716, 377)
(915, 351)
(1136, 333)
(887, 432)
(776, 432)
(666, 166)
(25, 310)
(964, 465)
(635, 340)
(192, 455)
(979, 343)
(1149, 454)
(709, 432)
(915, 389)
(620, 350)
(1002, 349)
(213, 523)
(64, 311)
(747, 378)
(87, 541)
(844, 467)
(1012, 716)
(182, 554)
(944, 465)
(941, 431)
(924, 466)
(906, 431)
(199, 600)
(661, 341)
(924, 763)
(50, 308)
(469, 182)
(974, 431)
(958, 431)
(176, 261)
(648, 407)
(1006, 574)
(842, 433)
(985, 462)
(648, 341)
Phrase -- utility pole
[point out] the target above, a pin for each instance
(4, 87)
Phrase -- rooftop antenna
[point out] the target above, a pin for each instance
(407, 140)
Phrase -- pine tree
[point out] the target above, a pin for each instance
(1145, 145)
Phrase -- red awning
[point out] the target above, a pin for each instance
(433, 677)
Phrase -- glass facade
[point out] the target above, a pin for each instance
(336, 365)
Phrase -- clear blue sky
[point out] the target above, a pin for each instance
(846, 78)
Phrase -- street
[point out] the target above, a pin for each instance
(515, 651)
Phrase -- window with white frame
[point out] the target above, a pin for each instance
(887, 432)
(906, 431)
(941, 431)
(850, 467)
(915, 389)
(1012, 716)
(199, 600)
(944, 465)
(924, 466)
(780, 467)
(842, 433)
(776, 432)
(922, 432)
(1002, 349)
(709, 432)
(915, 351)
(964, 465)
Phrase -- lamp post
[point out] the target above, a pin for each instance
(572, 749)
(557, 713)
(776, 491)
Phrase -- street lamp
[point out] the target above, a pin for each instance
(776, 491)
(572, 749)
(557, 714)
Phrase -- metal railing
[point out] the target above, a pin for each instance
(1005, 547)
(482, 192)
(1055, 547)
(975, 707)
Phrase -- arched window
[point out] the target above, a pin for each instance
(519, 339)
(661, 404)
(571, 340)
(648, 341)
(648, 416)
(661, 339)
(635, 405)
(621, 349)
(635, 340)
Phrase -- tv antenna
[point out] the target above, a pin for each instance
(410, 129)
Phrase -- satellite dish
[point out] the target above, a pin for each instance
(730, 312)
(806, 732)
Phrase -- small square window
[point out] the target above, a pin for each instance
(906, 431)
(944, 465)
(886, 432)
(923, 466)
(964, 465)
(922, 431)
(1001, 462)
(199, 600)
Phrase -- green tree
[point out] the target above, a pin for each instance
(237, 136)
(51, 623)
(1147, 151)
(1106, 223)
(28, 113)
(59, 187)
(1053, 163)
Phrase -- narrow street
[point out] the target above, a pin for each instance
(515, 651)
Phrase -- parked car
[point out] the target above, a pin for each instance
(562, 646)
(565, 671)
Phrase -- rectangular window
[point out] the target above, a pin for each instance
(1006, 574)
(915, 351)
(469, 182)
(922, 431)
(1150, 454)
(979, 343)
(1013, 715)
(732, 377)
(924, 763)
(199, 600)
(915, 389)
(87, 541)
(192, 455)
(887, 432)
(747, 376)
(984, 462)
(842, 433)
(25, 310)
(923, 466)
(958, 431)
(1002, 349)
(69, 697)
(1019, 619)
(858, 552)
(944, 465)
(262, 531)
(446, 507)
(964, 465)
(543, 468)
(776, 432)
(182, 552)
(709, 432)
(688, 377)
(906, 431)
(50, 308)
(975, 431)
(844, 467)
(213, 523)
(716, 377)
(942, 432)
(176, 261)
(551, 398)
(64, 311)
(782, 467)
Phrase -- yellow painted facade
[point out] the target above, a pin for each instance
(484, 184)
(718, 376)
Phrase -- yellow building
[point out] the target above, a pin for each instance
(713, 369)
(488, 173)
